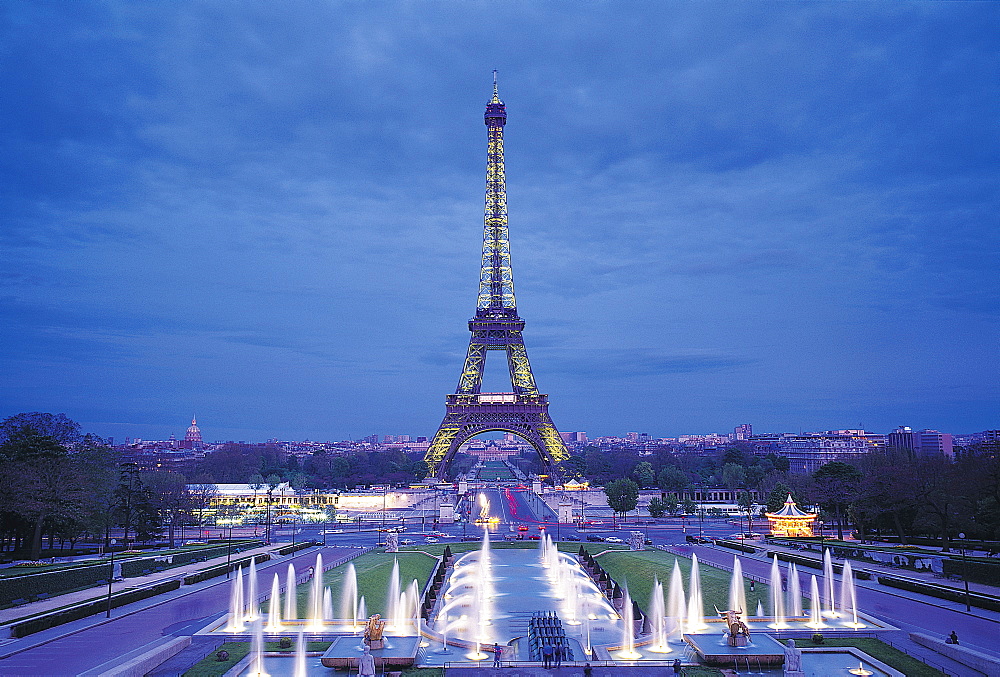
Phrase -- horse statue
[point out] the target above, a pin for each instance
(373, 632)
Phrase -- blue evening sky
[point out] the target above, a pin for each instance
(269, 214)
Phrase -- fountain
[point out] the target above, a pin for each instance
(675, 602)
(274, 606)
(794, 592)
(300, 669)
(349, 595)
(392, 594)
(849, 596)
(257, 652)
(831, 609)
(315, 616)
(815, 612)
(696, 607)
(777, 597)
(327, 604)
(658, 615)
(291, 599)
(628, 651)
(253, 609)
(236, 616)
(737, 591)
(362, 611)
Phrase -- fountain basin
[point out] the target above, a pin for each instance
(715, 651)
(345, 651)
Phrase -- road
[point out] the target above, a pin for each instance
(97, 644)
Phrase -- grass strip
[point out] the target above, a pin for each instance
(879, 650)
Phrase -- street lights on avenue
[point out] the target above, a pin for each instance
(965, 573)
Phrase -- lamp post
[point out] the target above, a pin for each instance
(229, 550)
(965, 574)
(111, 575)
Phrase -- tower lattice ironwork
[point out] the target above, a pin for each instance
(496, 326)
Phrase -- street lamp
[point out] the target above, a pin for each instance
(111, 576)
(965, 573)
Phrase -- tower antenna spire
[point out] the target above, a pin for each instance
(494, 82)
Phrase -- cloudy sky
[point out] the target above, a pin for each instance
(269, 214)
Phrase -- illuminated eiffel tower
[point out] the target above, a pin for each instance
(496, 326)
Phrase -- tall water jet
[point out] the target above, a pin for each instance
(253, 603)
(257, 652)
(291, 598)
(737, 591)
(628, 651)
(413, 604)
(349, 596)
(300, 669)
(849, 596)
(392, 594)
(794, 592)
(236, 615)
(274, 606)
(327, 604)
(362, 613)
(316, 596)
(828, 584)
(657, 613)
(777, 597)
(696, 607)
(675, 602)
(815, 604)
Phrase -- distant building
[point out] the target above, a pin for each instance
(742, 432)
(192, 438)
(922, 443)
(806, 452)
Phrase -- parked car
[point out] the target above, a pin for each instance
(470, 538)
(571, 537)
(430, 539)
(613, 539)
(594, 538)
(406, 541)
(534, 537)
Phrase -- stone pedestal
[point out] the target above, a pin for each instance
(375, 644)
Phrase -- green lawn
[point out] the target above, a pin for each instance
(210, 667)
(879, 650)
(373, 571)
(639, 568)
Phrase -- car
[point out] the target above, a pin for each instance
(648, 541)
(594, 538)
(430, 539)
(534, 537)
(613, 539)
(523, 527)
(406, 541)
(470, 538)
(571, 537)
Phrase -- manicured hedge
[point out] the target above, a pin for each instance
(289, 549)
(942, 592)
(220, 569)
(143, 565)
(814, 563)
(55, 618)
(734, 545)
(987, 573)
(29, 586)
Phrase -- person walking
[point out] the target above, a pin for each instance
(497, 653)
(557, 654)
(547, 655)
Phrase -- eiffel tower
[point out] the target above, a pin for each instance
(496, 326)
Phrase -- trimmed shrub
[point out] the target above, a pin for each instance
(52, 619)
(220, 569)
(735, 545)
(30, 586)
(987, 573)
(943, 592)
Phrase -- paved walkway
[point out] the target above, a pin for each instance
(97, 592)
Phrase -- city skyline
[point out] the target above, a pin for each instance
(781, 213)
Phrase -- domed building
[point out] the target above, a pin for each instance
(192, 438)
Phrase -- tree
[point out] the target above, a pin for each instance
(745, 501)
(203, 496)
(170, 497)
(779, 494)
(623, 495)
(643, 474)
(134, 505)
(734, 476)
(59, 427)
(656, 507)
(836, 484)
(672, 480)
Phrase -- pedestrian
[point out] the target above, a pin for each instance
(547, 655)
(953, 637)
(751, 585)
(497, 653)
(557, 653)
(677, 666)
(588, 671)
